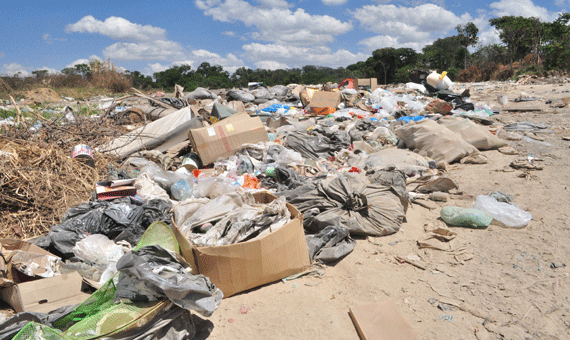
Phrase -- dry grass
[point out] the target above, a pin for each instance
(39, 184)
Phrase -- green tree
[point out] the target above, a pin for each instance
(467, 37)
(444, 54)
(521, 35)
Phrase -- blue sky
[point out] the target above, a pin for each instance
(151, 36)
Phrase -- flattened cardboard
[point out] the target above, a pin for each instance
(322, 99)
(222, 139)
(381, 321)
(45, 295)
(242, 266)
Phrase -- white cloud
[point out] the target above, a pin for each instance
(49, 70)
(155, 50)
(84, 61)
(230, 62)
(118, 29)
(525, 8)
(271, 65)
(15, 69)
(154, 68)
(400, 26)
(298, 57)
(381, 41)
(334, 2)
(277, 24)
(229, 33)
(562, 3)
(47, 38)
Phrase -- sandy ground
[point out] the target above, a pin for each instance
(500, 286)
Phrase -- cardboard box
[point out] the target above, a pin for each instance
(238, 267)
(322, 100)
(39, 295)
(222, 139)
(372, 82)
(45, 295)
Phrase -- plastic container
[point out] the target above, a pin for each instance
(439, 81)
(508, 214)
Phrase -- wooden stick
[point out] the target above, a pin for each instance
(413, 263)
(19, 116)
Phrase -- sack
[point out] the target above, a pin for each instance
(472, 133)
(350, 200)
(435, 141)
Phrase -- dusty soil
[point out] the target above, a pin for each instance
(497, 284)
(42, 95)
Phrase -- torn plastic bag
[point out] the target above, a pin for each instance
(172, 101)
(35, 265)
(330, 244)
(110, 218)
(317, 146)
(215, 210)
(281, 179)
(152, 273)
(351, 200)
(99, 249)
(245, 223)
(363, 128)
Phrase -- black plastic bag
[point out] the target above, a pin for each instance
(110, 218)
(153, 273)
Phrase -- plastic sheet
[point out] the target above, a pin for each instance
(508, 214)
(331, 244)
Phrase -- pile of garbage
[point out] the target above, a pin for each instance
(218, 193)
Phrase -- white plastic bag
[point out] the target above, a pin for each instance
(508, 214)
(99, 249)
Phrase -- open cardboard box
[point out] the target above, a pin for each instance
(39, 295)
(325, 102)
(238, 267)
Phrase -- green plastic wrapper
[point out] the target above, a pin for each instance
(465, 217)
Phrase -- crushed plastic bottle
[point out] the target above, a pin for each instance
(182, 190)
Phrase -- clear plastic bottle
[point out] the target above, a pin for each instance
(182, 189)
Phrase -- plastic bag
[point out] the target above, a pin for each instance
(508, 214)
(98, 249)
(462, 217)
(152, 273)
